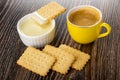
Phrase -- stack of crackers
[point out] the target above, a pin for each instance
(58, 59)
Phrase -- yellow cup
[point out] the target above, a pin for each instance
(87, 34)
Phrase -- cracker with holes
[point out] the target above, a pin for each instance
(64, 59)
(51, 10)
(36, 61)
(81, 57)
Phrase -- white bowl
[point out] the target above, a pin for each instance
(36, 41)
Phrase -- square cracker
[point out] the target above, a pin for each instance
(51, 10)
(64, 59)
(36, 61)
(81, 57)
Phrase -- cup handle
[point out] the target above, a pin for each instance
(108, 28)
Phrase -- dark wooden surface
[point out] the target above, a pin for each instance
(105, 53)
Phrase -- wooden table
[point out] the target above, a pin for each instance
(105, 53)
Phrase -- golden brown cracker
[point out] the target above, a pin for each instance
(51, 10)
(36, 61)
(81, 57)
(64, 59)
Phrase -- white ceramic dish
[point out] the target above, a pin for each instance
(36, 41)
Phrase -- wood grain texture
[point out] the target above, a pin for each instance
(105, 52)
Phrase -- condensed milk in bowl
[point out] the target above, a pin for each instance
(34, 34)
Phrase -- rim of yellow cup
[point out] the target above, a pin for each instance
(81, 6)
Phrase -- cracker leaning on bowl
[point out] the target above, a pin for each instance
(48, 12)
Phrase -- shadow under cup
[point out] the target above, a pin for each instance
(85, 23)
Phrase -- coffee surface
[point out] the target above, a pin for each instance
(84, 17)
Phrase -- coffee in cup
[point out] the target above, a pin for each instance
(85, 16)
(85, 23)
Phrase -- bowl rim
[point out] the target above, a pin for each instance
(41, 35)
